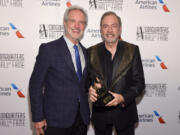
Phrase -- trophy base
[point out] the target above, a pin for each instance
(101, 102)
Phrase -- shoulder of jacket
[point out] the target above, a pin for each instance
(95, 47)
(51, 44)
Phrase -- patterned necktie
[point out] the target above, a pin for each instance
(78, 62)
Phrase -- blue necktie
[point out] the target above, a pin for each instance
(78, 62)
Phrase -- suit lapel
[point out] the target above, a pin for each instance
(122, 62)
(85, 58)
(68, 58)
(66, 54)
(96, 60)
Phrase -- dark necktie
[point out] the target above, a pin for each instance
(78, 62)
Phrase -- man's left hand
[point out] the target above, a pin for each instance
(118, 99)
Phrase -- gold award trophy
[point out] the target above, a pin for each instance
(104, 96)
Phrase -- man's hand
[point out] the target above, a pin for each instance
(40, 127)
(92, 91)
(92, 94)
(118, 99)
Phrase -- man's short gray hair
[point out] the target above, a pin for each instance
(75, 7)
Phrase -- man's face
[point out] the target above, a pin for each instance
(110, 29)
(75, 25)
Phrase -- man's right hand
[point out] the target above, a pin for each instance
(40, 127)
(92, 91)
(92, 94)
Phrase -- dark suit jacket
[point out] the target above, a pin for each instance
(127, 79)
(54, 86)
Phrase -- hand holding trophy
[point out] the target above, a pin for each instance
(104, 96)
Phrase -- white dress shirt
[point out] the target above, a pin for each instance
(72, 51)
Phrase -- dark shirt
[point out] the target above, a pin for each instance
(108, 71)
(108, 64)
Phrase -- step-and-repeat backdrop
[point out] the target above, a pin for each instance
(153, 25)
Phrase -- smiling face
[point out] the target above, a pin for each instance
(110, 29)
(75, 25)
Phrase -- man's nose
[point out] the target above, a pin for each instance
(109, 28)
(77, 24)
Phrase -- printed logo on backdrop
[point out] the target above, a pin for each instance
(18, 91)
(68, 3)
(50, 31)
(11, 61)
(153, 62)
(159, 117)
(18, 33)
(105, 4)
(146, 118)
(156, 90)
(149, 118)
(11, 3)
(51, 3)
(152, 5)
(161, 63)
(12, 119)
(93, 33)
(7, 91)
(150, 33)
(5, 31)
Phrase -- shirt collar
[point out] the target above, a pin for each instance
(108, 54)
(69, 43)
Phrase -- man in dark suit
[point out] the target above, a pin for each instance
(118, 67)
(58, 85)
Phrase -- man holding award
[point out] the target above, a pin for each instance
(117, 79)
